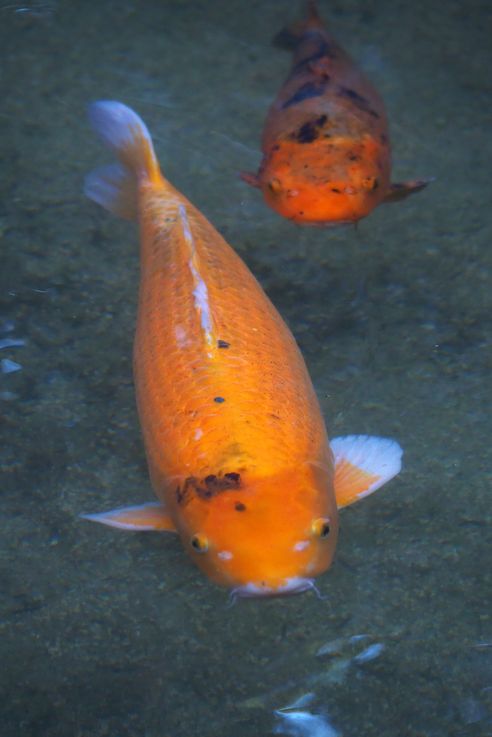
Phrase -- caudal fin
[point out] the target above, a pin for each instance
(289, 37)
(124, 132)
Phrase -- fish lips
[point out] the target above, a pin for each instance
(295, 585)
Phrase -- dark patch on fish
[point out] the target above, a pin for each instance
(306, 91)
(324, 50)
(309, 132)
(233, 478)
(208, 487)
(358, 100)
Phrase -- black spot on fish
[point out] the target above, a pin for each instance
(358, 100)
(306, 91)
(219, 400)
(240, 507)
(223, 344)
(309, 132)
(353, 95)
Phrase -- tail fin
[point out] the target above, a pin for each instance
(122, 130)
(313, 20)
(289, 37)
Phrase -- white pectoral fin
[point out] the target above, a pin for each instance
(149, 516)
(363, 463)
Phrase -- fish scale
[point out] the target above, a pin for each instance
(180, 382)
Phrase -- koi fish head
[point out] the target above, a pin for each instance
(326, 181)
(264, 538)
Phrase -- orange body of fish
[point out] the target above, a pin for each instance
(236, 444)
(326, 150)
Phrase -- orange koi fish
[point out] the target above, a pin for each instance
(236, 444)
(326, 150)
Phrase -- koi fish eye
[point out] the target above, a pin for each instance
(370, 183)
(275, 185)
(199, 543)
(321, 527)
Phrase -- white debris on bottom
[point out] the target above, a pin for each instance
(11, 342)
(8, 367)
(370, 653)
(303, 724)
(339, 658)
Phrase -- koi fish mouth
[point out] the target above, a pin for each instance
(291, 586)
(324, 224)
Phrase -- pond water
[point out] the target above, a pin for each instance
(111, 634)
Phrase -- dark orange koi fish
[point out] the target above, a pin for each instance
(326, 150)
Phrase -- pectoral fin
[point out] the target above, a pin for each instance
(362, 465)
(399, 190)
(250, 178)
(150, 516)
